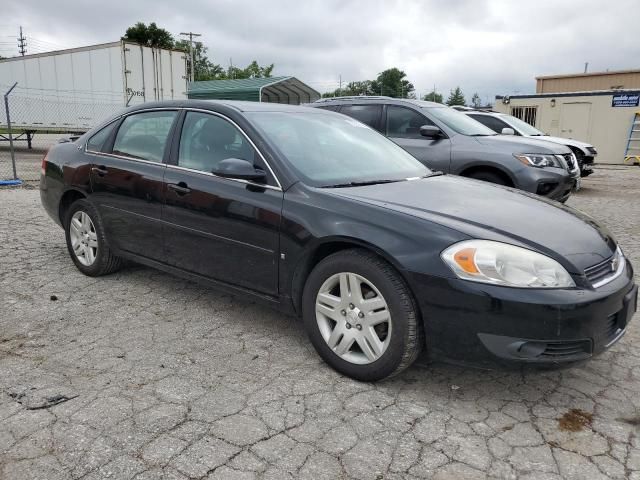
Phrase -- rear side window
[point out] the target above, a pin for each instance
(493, 123)
(367, 114)
(404, 122)
(144, 135)
(97, 141)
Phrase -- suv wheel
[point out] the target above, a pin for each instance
(86, 241)
(360, 316)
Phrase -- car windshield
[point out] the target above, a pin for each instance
(459, 122)
(521, 126)
(328, 149)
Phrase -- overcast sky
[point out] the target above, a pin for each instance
(485, 46)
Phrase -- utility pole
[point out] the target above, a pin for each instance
(191, 35)
(586, 65)
(22, 43)
(340, 89)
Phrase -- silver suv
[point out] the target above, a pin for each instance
(447, 140)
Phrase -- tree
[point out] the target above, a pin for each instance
(475, 100)
(392, 82)
(456, 97)
(151, 36)
(205, 69)
(433, 97)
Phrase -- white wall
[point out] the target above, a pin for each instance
(607, 127)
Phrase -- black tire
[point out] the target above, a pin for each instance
(490, 177)
(105, 261)
(406, 340)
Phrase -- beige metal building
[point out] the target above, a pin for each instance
(601, 117)
(587, 82)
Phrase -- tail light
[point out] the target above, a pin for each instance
(44, 163)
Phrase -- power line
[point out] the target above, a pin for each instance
(191, 35)
(22, 43)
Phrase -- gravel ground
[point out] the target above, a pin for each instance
(143, 375)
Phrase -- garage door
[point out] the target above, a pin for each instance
(574, 121)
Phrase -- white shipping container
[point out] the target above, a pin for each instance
(73, 90)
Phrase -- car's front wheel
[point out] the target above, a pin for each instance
(86, 241)
(361, 316)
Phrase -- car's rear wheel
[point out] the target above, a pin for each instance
(86, 241)
(490, 177)
(361, 316)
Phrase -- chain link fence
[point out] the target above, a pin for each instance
(31, 122)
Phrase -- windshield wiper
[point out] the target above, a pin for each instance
(360, 184)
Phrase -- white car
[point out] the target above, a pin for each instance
(510, 125)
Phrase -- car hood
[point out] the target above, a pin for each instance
(487, 211)
(565, 141)
(523, 144)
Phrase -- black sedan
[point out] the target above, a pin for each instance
(321, 216)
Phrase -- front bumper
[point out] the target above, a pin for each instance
(487, 325)
(553, 183)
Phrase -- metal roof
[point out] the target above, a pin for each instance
(272, 89)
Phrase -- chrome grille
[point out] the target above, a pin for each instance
(571, 161)
(606, 271)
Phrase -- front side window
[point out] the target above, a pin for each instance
(97, 141)
(326, 149)
(404, 122)
(493, 123)
(208, 139)
(367, 114)
(458, 122)
(524, 127)
(144, 135)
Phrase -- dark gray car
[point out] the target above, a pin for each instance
(447, 140)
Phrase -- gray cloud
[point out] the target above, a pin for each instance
(491, 47)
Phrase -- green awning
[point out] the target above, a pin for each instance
(273, 89)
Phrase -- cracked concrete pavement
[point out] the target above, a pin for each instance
(143, 375)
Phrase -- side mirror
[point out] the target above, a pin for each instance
(508, 131)
(430, 131)
(239, 169)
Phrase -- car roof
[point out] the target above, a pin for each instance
(375, 99)
(240, 106)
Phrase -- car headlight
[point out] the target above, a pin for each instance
(503, 264)
(541, 160)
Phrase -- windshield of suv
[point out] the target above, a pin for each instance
(521, 126)
(327, 149)
(459, 122)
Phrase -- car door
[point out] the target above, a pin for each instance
(126, 181)
(402, 125)
(220, 228)
(492, 122)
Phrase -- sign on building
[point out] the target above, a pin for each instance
(625, 100)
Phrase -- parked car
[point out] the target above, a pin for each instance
(317, 214)
(446, 140)
(585, 153)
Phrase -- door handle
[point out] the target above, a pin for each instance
(180, 188)
(101, 170)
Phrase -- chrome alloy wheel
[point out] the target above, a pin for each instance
(353, 318)
(84, 239)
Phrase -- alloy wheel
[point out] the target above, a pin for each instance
(353, 318)
(84, 239)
